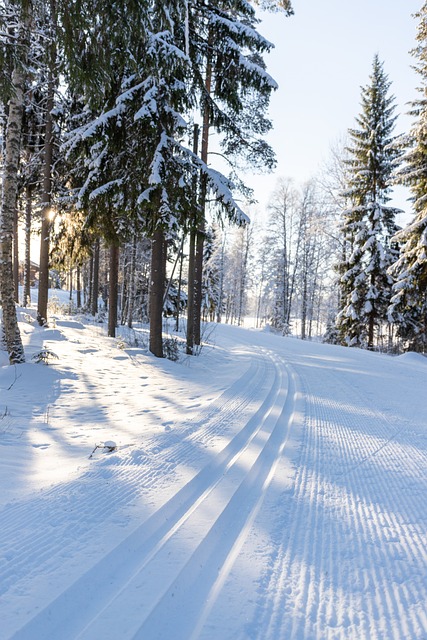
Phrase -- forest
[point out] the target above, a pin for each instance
(126, 131)
(275, 486)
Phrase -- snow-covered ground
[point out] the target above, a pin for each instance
(269, 489)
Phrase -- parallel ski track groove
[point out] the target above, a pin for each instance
(38, 549)
(203, 574)
(163, 524)
(320, 585)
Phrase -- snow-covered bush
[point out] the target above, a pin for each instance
(45, 356)
(171, 349)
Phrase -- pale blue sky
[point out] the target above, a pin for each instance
(323, 55)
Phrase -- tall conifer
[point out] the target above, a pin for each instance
(408, 309)
(368, 223)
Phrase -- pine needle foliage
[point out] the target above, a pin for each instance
(408, 308)
(368, 224)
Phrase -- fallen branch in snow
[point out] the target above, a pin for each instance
(110, 446)
(16, 378)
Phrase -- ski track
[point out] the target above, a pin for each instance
(362, 576)
(40, 551)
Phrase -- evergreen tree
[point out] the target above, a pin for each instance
(408, 309)
(212, 274)
(137, 174)
(233, 92)
(369, 223)
(50, 63)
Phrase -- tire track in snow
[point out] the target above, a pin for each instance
(160, 528)
(353, 560)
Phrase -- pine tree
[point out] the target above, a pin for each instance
(408, 309)
(212, 275)
(134, 161)
(369, 223)
(48, 157)
(234, 90)
(30, 170)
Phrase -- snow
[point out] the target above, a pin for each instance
(268, 489)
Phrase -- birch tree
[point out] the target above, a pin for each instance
(10, 330)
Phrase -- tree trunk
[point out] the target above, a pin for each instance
(113, 290)
(95, 279)
(198, 266)
(158, 274)
(15, 256)
(304, 308)
(371, 320)
(11, 336)
(221, 284)
(27, 262)
(371, 330)
(131, 288)
(89, 282)
(124, 264)
(246, 246)
(178, 303)
(78, 288)
(190, 300)
(198, 280)
(191, 258)
(46, 203)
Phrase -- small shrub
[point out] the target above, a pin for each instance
(121, 344)
(101, 316)
(45, 356)
(54, 305)
(171, 349)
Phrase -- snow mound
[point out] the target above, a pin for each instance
(72, 324)
(53, 334)
(413, 357)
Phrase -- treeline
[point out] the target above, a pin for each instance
(107, 110)
(333, 256)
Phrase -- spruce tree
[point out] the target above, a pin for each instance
(137, 172)
(368, 223)
(211, 285)
(408, 309)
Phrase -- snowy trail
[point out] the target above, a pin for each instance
(353, 563)
(200, 510)
(289, 504)
(227, 492)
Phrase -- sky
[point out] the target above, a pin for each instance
(323, 55)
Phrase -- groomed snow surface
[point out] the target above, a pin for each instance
(269, 489)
